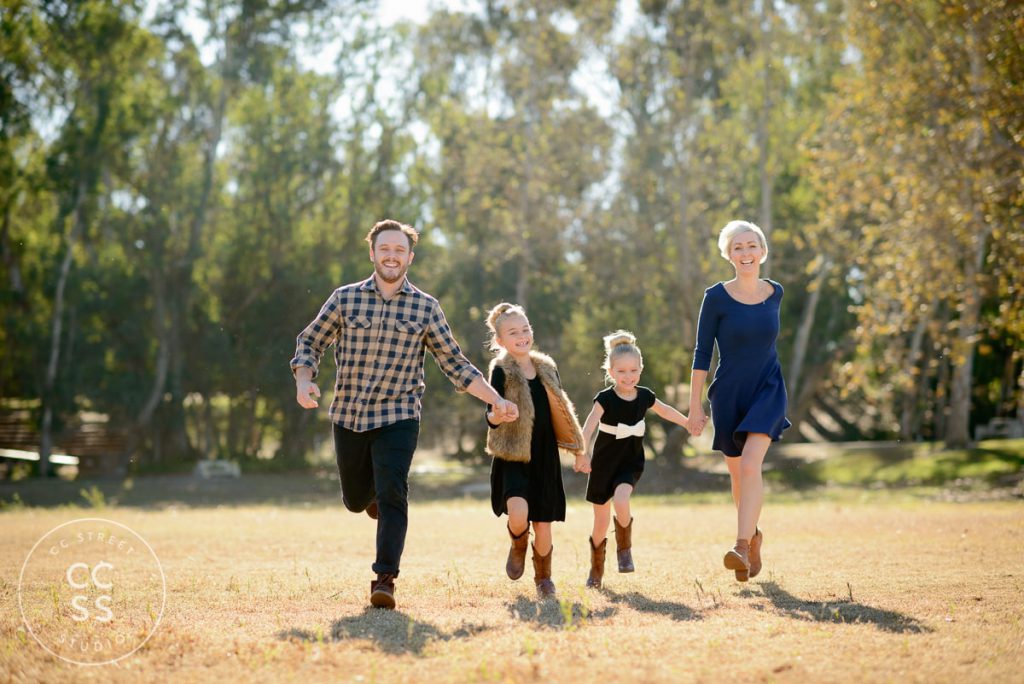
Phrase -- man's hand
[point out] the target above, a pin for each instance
(511, 411)
(503, 411)
(305, 390)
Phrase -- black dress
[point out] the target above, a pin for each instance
(617, 460)
(540, 480)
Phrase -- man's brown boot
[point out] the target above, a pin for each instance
(382, 591)
(623, 544)
(755, 552)
(516, 562)
(738, 559)
(597, 555)
(542, 573)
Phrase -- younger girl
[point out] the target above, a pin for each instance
(617, 460)
(526, 476)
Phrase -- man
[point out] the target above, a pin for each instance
(380, 328)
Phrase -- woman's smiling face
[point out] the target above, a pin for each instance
(746, 252)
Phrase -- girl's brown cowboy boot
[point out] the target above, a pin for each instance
(597, 556)
(516, 563)
(623, 545)
(542, 573)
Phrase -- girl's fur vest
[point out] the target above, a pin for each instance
(511, 441)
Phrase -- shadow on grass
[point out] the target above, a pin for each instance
(392, 631)
(555, 613)
(680, 612)
(840, 610)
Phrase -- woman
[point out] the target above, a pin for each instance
(748, 395)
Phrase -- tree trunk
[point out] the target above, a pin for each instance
(690, 244)
(253, 434)
(763, 142)
(941, 402)
(801, 401)
(296, 437)
(163, 357)
(56, 328)
(848, 429)
(233, 429)
(180, 295)
(803, 333)
(1020, 396)
(526, 227)
(210, 438)
(675, 438)
(10, 262)
(910, 398)
(828, 433)
(958, 428)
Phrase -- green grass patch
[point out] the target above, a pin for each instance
(992, 462)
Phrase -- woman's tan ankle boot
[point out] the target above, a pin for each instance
(738, 559)
(755, 552)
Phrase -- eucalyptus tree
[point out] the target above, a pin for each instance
(518, 151)
(918, 170)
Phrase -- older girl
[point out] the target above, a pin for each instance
(748, 395)
(526, 475)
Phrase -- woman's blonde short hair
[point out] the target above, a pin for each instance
(734, 228)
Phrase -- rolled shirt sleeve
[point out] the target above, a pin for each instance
(318, 335)
(441, 344)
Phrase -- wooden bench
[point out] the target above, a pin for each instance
(1007, 428)
(208, 469)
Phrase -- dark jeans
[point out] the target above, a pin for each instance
(375, 465)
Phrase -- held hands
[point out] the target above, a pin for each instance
(305, 391)
(582, 464)
(697, 420)
(504, 411)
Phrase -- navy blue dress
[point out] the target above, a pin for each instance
(748, 393)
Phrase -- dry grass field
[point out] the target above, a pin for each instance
(872, 588)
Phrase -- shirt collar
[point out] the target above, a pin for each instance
(370, 284)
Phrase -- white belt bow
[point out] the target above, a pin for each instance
(621, 430)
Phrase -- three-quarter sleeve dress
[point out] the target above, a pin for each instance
(748, 394)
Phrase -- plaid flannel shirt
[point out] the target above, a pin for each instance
(379, 347)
